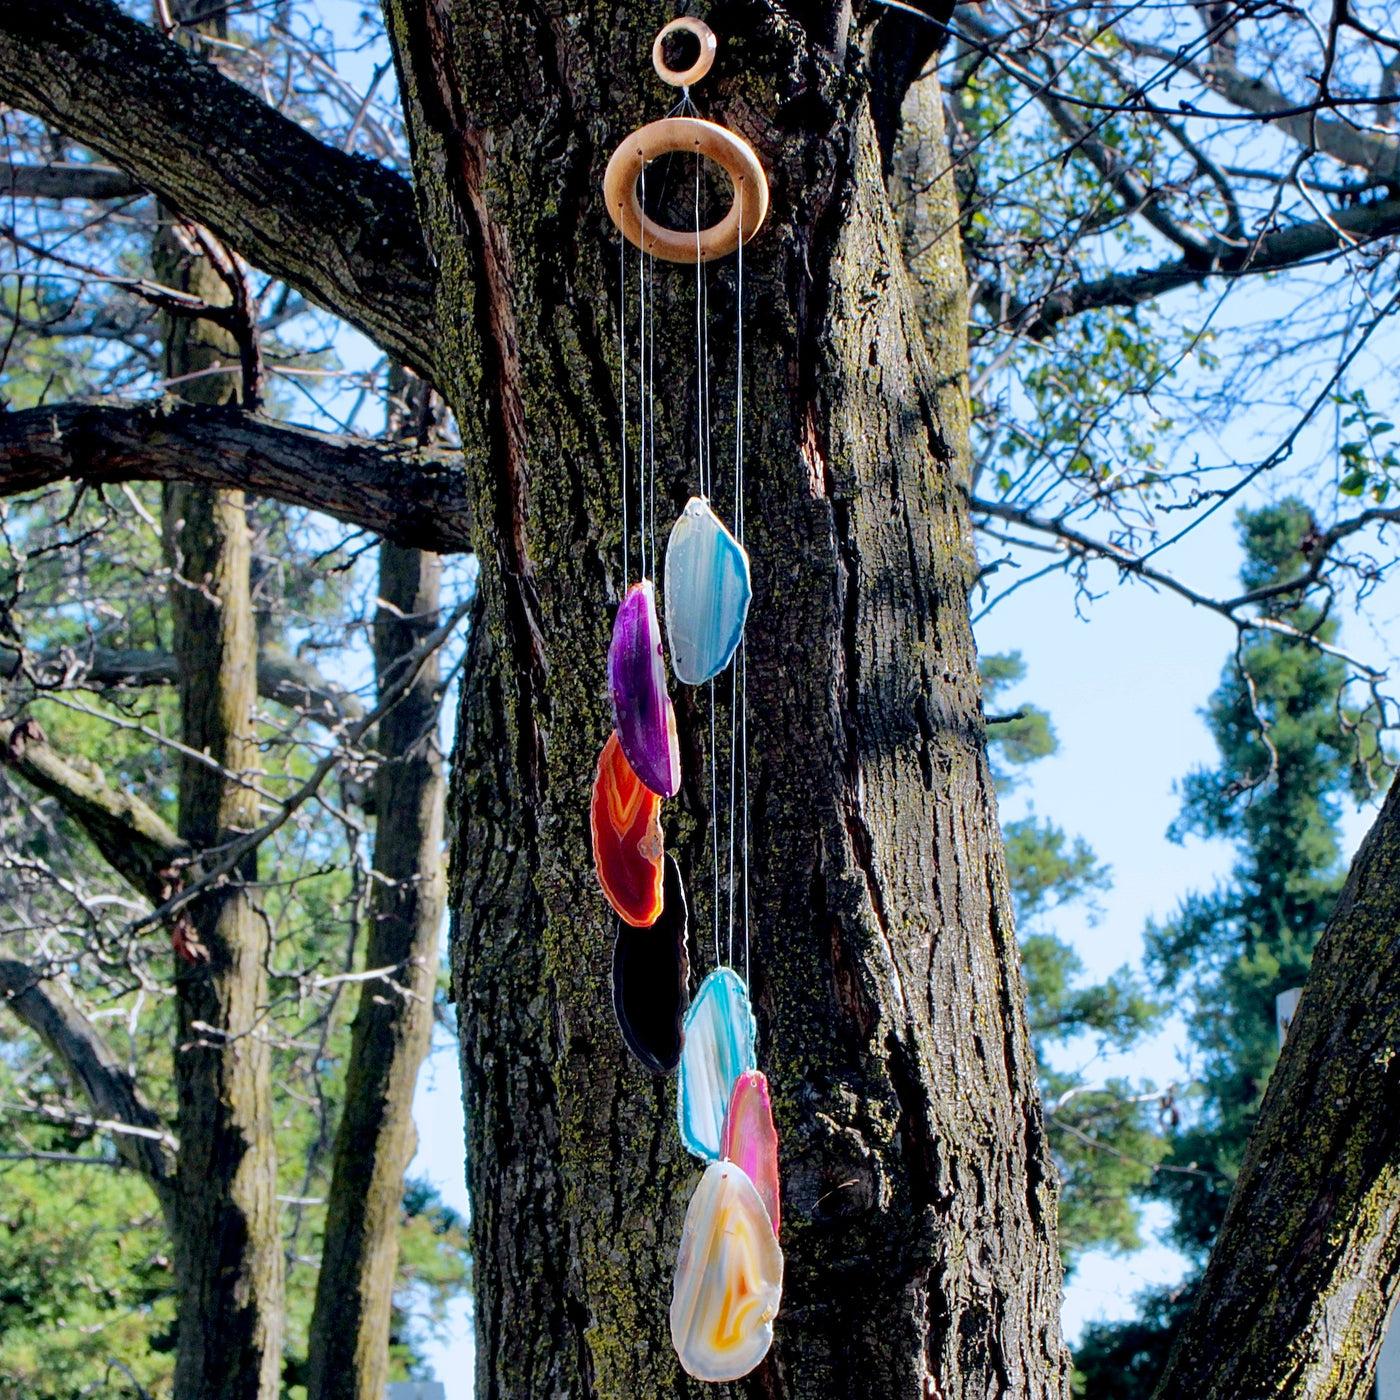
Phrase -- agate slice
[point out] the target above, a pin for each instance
(719, 1047)
(750, 1140)
(650, 981)
(642, 712)
(707, 593)
(729, 1278)
(627, 842)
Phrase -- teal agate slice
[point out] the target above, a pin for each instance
(718, 1048)
(707, 593)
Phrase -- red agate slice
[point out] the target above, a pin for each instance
(627, 843)
(751, 1141)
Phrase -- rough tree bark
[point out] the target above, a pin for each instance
(228, 1249)
(1306, 1269)
(919, 1212)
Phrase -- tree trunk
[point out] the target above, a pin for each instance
(229, 1247)
(919, 1212)
(229, 1253)
(376, 1138)
(1305, 1272)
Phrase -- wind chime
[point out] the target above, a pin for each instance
(729, 1269)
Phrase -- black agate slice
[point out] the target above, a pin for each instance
(650, 978)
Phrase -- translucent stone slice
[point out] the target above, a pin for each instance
(750, 1140)
(646, 723)
(729, 1278)
(627, 841)
(651, 979)
(707, 593)
(719, 1047)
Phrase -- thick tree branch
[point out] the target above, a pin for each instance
(45, 1007)
(414, 496)
(1344, 142)
(132, 837)
(341, 229)
(66, 180)
(1285, 247)
(1117, 172)
(1295, 1298)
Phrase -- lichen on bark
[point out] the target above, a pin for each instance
(919, 1223)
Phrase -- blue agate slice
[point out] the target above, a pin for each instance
(707, 593)
(718, 1048)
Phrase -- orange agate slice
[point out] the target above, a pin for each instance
(627, 841)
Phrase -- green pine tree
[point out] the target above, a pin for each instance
(1104, 1136)
(1289, 750)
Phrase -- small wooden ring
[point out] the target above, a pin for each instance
(701, 66)
(687, 135)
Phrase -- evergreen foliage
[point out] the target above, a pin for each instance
(1289, 750)
(1103, 1135)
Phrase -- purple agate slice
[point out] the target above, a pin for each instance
(642, 713)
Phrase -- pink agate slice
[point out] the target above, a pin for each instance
(642, 712)
(750, 1140)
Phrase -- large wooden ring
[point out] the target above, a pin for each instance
(701, 66)
(686, 135)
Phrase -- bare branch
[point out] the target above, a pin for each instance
(1344, 142)
(45, 1007)
(1116, 171)
(133, 838)
(1086, 546)
(412, 495)
(282, 677)
(66, 180)
(339, 228)
(232, 854)
(1286, 247)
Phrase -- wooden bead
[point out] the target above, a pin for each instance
(694, 136)
(697, 70)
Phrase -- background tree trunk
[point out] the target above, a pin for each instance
(229, 1246)
(1305, 1270)
(376, 1138)
(919, 1219)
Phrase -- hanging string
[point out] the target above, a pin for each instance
(733, 710)
(699, 341)
(739, 534)
(622, 352)
(642, 392)
(705, 382)
(701, 456)
(651, 409)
